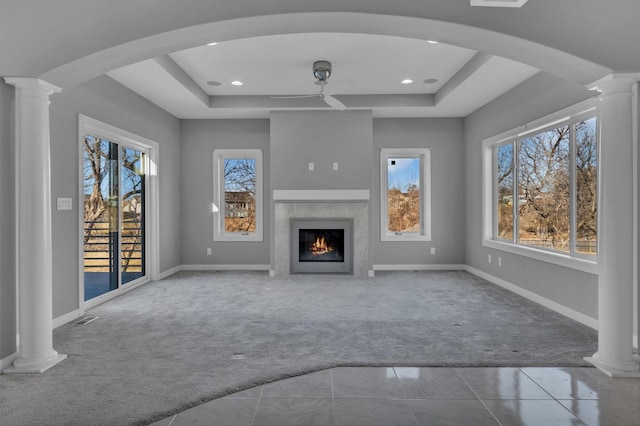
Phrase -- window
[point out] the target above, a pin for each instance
(543, 188)
(405, 194)
(237, 195)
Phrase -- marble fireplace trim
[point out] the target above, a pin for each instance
(317, 206)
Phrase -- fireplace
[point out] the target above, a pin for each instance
(321, 246)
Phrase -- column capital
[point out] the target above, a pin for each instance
(615, 83)
(34, 85)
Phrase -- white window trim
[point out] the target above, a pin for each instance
(218, 195)
(425, 193)
(584, 264)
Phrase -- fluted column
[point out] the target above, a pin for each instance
(33, 178)
(615, 229)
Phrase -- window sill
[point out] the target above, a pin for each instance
(404, 237)
(584, 265)
(237, 238)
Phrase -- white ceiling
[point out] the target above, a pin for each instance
(367, 70)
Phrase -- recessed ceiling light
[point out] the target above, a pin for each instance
(213, 43)
(430, 81)
(214, 83)
(407, 81)
(236, 83)
(432, 41)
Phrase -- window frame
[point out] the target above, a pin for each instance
(218, 207)
(425, 193)
(572, 259)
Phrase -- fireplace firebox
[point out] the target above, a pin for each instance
(321, 246)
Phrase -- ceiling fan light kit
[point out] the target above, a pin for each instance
(322, 70)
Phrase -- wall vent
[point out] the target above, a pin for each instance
(498, 3)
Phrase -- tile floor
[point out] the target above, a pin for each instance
(372, 396)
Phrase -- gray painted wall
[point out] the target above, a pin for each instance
(353, 139)
(7, 225)
(321, 137)
(105, 100)
(445, 137)
(199, 139)
(541, 95)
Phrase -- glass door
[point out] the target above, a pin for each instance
(132, 223)
(113, 225)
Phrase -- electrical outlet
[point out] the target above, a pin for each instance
(489, 259)
(499, 261)
(208, 251)
(433, 250)
(311, 167)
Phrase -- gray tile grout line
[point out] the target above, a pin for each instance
(333, 400)
(457, 370)
(537, 384)
(172, 419)
(406, 398)
(395, 373)
(255, 410)
(554, 398)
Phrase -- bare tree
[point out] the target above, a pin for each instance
(96, 154)
(505, 190)
(586, 182)
(543, 177)
(403, 195)
(240, 194)
(132, 205)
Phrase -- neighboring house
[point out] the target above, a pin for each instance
(238, 204)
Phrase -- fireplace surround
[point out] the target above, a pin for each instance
(321, 204)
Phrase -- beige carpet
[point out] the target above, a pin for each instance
(195, 336)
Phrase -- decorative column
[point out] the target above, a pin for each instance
(33, 212)
(615, 229)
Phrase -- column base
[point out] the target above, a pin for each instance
(629, 369)
(19, 367)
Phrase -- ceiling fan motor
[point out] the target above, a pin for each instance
(322, 70)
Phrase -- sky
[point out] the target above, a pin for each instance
(405, 172)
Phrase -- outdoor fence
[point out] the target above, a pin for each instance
(101, 245)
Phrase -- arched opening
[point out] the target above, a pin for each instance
(547, 59)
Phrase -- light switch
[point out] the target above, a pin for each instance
(65, 203)
(311, 166)
(335, 166)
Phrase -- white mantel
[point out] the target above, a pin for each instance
(355, 195)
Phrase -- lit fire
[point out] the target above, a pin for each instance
(320, 247)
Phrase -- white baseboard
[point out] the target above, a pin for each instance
(63, 319)
(166, 274)
(554, 306)
(221, 267)
(7, 362)
(420, 267)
